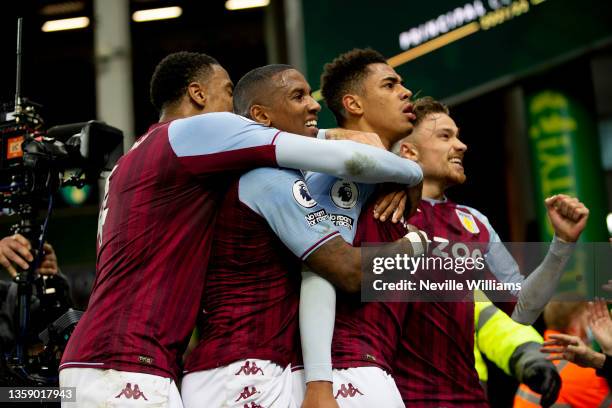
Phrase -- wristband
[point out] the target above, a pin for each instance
(419, 243)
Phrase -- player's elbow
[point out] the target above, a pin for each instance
(524, 316)
(351, 279)
(350, 285)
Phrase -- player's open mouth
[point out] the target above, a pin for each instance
(457, 160)
(311, 123)
(407, 110)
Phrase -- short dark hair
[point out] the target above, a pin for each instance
(174, 73)
(249, 88)
(426, 105)
(345, 74)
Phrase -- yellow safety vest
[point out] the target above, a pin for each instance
(496, 335)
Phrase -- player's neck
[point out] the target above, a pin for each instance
(182, 110)
(433, 190)
(363, 126)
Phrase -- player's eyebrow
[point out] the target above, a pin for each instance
(447, 129)
(300, 88)
(392, 78)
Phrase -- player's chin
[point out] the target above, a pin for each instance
(406, 125)
(457, 177)
(311, 131)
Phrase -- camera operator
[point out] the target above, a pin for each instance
(15, 249)
(15, 252)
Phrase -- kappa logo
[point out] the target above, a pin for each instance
(344, 194)
(468, 221)
(132, 393)
(253, 405)
(302, 195)
(347, 391)
(246, 393)
(249, 369)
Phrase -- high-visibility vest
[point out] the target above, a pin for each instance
(581, 388)
(497, 336)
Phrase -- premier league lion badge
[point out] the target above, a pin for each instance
(302, 195)
(344, 194)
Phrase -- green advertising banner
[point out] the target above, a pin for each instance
(565, 159)
(565, 155)
(454, 48)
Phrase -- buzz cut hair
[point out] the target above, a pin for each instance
(344, 75)
(256, 87)
(174, 73)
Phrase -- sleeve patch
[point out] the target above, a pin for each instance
(316, 217)
(344, 194)
(301, 194)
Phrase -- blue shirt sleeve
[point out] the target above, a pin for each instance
(500, 262)
(217, 132)
(283, 199)
(343, 200)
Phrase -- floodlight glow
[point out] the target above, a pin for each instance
(244, 4)
(157, 14)
(65, 24)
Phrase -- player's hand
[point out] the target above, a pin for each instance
(390, 203)
(368, 138)
(601, 324)
(567, 215)
(48, 266)
(15, 250)
(395, 201)
(319, 394)
(542, 377)
(572, 348)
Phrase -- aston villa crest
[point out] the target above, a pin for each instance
(468, 222)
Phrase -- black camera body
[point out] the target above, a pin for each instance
(34, 164)
(32, 161)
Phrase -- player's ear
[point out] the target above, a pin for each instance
(352, 104)
(197, 94)
(408, 150)
(260, 115)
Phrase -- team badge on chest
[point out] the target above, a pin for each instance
(344, 194)
(468, 221)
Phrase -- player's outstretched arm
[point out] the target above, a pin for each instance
(317, 316)
(346, 159)
(202, 143)
(568, 217)
(339, 263)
